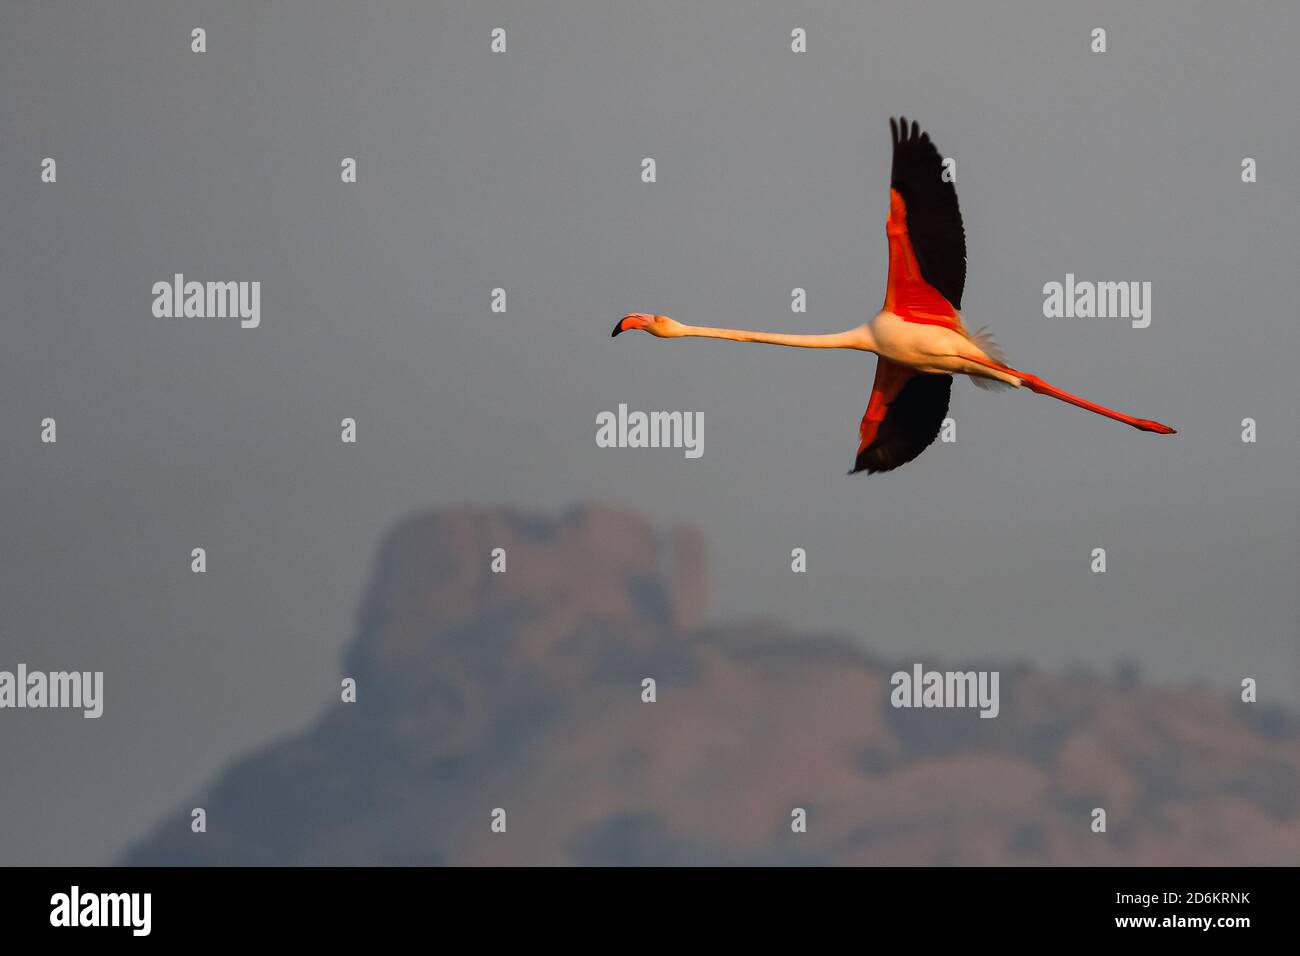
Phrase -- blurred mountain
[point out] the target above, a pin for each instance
(522, 691)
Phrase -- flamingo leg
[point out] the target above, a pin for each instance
(1037, 385)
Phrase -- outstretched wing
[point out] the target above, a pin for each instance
(927, 242)
(903, 417)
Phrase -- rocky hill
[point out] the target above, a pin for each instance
(523, 691)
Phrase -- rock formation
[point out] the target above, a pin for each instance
(523, 691)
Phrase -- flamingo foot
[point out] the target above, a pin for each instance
(1149, 426)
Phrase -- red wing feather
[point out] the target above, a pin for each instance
(903, 417)
(890, 379)
(923, 205)
(908, 294)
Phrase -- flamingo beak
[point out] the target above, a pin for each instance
(634, 320)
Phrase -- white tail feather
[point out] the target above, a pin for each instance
(984, 339)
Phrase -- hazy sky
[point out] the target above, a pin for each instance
(522, 171)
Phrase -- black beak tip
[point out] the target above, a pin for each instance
(617, 329)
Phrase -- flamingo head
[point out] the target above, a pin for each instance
(659, 326)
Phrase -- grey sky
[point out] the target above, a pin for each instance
(522, 170)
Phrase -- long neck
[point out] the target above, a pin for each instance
(859, 338)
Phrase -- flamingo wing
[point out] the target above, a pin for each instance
(927, 241)
(903, 417)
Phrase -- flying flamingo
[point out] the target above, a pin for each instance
(918, 337)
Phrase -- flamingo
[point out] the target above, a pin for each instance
(919, 337)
